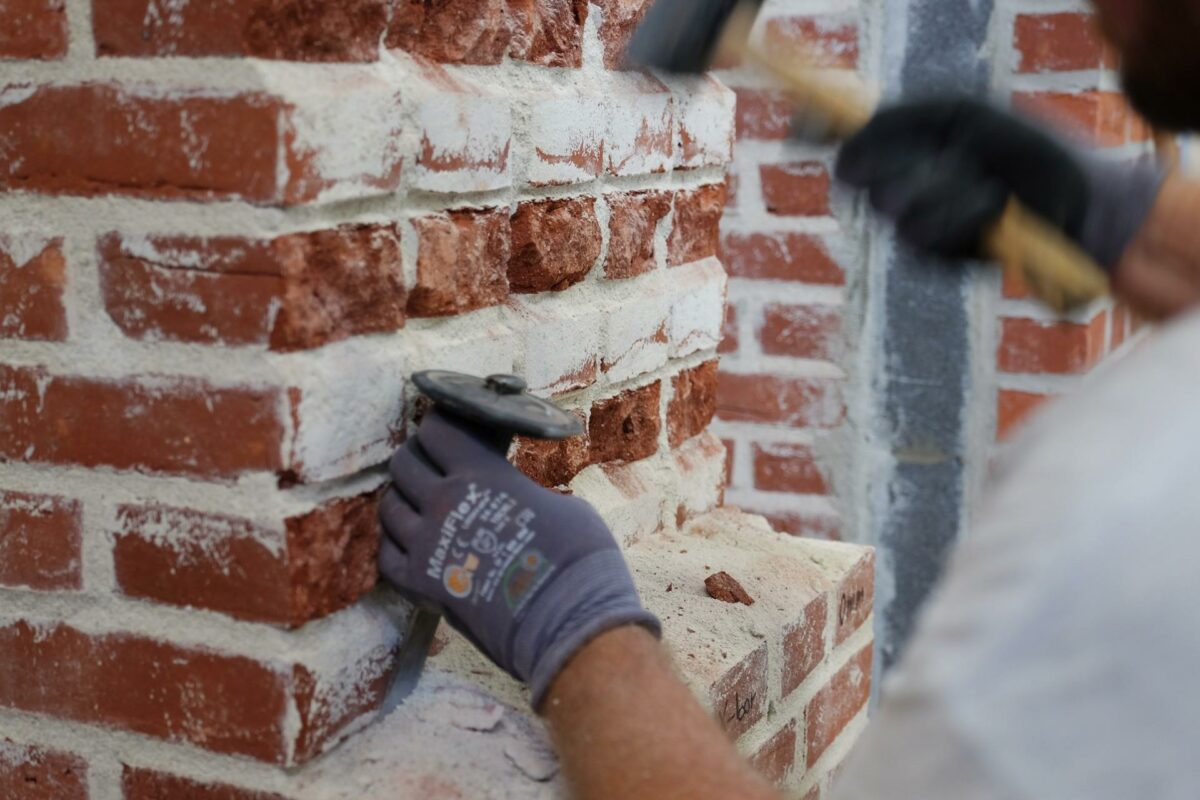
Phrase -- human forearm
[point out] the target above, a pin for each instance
(625, 726)
(1159, 275)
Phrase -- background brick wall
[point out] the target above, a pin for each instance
(229, 233)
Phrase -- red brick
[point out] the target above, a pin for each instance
(790, 468)
(796, 402)
(764, 114)
(796, 190)
(804, 645)
(295, 30)
(1103, 119)
(237, 567)
(739, 697)
(693, 402)
(781, 256)
(295, 292)
(1013, 408)
(620, 20)
(1120, 327)
(181, 426)
(697, 231)
(33, 29)
(626, 427)
(823, 42)
(1014, 285)
(462, 262)
(40, 542)
(808, 526)
(729, 330)
(36, 773)
(552, 463)
(452, 31)
(184, 146)
(1059, 348)
(633, 221)
(832, 709)
(1059, 43)
(144, 784)
(548, 32)
(729, 450)
(856, 599)
(31, 293)
(555, 244)
(807, 331)
(775, 759)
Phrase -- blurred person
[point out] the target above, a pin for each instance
(1055, 660)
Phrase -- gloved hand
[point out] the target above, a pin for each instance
(944, 170)
(527, 574)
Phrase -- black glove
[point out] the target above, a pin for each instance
(945, 169)
(527, 574)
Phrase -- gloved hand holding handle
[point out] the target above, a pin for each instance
(527, 574)
(944, 170)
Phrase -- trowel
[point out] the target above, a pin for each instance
(501, 406)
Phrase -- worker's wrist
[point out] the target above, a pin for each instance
(592, 596)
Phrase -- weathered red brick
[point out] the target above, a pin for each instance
(621, 18)
(31, 292)
(804, 645)
(783, 467)
(555, 244)
(807, 525)
(626, 427)
(781, 256)
(462, 262)
(240, 568)
(729, 331)
(697, 231)
(776, 759)
(552, 463)
(1100, 118)
(183, 146)
(825, 42)
(33, 29)
(633, 221)
(145, 784)
(802, 331)
(548, 32)
(40, 542)
(294, 30)
(171, 425)
(1013, 408)
(832, 708)
(1060, 42)
(739, 697)
(295, 292)
(37, 773)
(1059, 348)
(796, 190)
(452, 31)
(856, 599)
(693, 402)
(726, 588)
(797, 402)
(763, 114)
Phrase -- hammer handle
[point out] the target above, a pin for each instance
(1055, 268)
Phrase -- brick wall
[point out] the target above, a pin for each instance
(230, 233)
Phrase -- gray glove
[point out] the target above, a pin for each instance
(527, 574)
(945, 169)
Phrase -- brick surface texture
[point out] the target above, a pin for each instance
(233, 231)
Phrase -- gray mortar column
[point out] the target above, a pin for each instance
(922, 355)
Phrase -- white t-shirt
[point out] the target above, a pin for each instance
(1059, 659)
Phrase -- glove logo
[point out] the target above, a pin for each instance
(460, 578)
(523, 575)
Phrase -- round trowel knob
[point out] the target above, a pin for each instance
(498, 403)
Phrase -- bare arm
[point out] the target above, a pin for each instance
(1160, 273)
(626, 727)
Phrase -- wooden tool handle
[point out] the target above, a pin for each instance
(1055, 268)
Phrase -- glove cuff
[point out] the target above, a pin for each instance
(1122, 197)
(591, 596)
